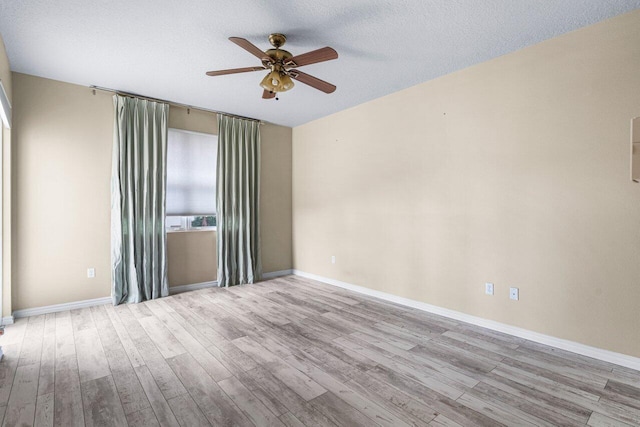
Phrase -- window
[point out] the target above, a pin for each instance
(191, 180)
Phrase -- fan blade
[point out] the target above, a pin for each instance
(234, 71)
(315, 56)
(268, 95)
(251, 48)
(314, 82)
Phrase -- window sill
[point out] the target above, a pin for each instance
(191, 230)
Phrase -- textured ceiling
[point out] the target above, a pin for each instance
(162, 48)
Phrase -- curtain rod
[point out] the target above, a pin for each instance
(177, 104)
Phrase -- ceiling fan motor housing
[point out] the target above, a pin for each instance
(278, 55)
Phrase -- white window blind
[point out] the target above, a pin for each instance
(191, 173)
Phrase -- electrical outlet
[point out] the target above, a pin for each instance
(91, 273)
(514, 294)
(488, 288)
(333, 259)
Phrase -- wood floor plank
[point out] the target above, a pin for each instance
(164, 376)
(213, 402)
(32, 348)
(22, 403)
(140, 311)
(413, 364)
(567, 409)
(142, 418)
(81, 319)
(44, 410)
(616, 411)
(231, 357)
(495, 412)
(377, 413)
(273, 343)
(563, 357)
(164, 340)
(113, 349)
(338, 411)
(451, 390)
(290, 420)
(625, 376)
(253, 408)
(516, 402)
(599, 420)
(8, 368)
(622, 393)
(592, 379)
(402, 404)
(328, 362)
(182, 308)
(299, 407)
(187, 412)
(92, 362)
(130, 391)
(465, 348)
(545, 385)
(188, 326)
(65, 344)
(270, 401)
(102, 406)
(127, 343)
(160, 406)
(442, 421)
(449, 407)
(300, 383)
(46, 381)
(210, 364)
(587, 390)
(68, 409)
(166, 379)
(487, 335)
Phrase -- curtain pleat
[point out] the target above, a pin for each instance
(138, 200)
(238, 199)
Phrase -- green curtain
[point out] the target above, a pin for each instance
(138, 192)
(238, 201)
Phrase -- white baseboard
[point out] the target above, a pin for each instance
(106, 300)
(36, 311)
(574, 347)
(274, 274)
(196, 286)
(192, 287)
(60, 307)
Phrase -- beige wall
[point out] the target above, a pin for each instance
(191, 257)
(62, 165)
(514, 171)
(276, 198)
(5, 76)
(61, 210)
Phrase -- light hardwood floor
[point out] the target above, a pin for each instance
(294, 352)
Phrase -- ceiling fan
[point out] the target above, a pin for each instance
(282, 66)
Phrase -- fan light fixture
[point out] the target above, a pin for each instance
(277, 81)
